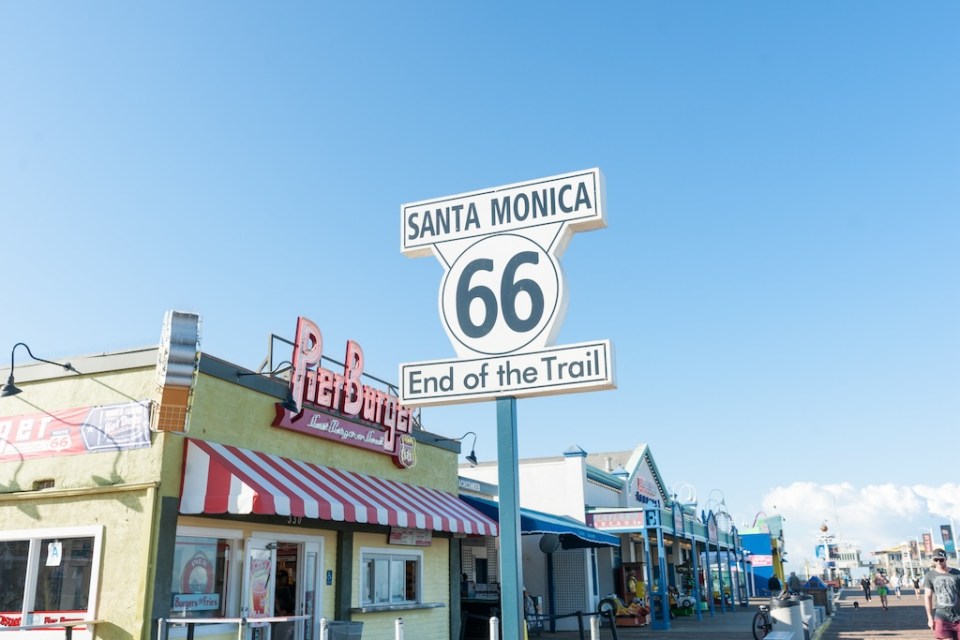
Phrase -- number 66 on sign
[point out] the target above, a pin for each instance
(503, 295)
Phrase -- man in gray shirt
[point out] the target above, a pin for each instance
(941, 598)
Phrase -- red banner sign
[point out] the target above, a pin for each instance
(75, 431)
(45, 617)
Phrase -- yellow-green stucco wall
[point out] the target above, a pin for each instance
(122, 490)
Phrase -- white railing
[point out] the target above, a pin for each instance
(165, 624)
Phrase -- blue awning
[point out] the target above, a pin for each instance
(572, 534)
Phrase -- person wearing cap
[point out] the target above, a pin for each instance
(941, 597)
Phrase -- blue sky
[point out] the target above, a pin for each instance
(779, 274)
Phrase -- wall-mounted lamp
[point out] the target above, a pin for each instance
(289, 403)
(11, 389)
(472, 458)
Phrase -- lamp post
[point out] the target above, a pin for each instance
(751, 587)
(719, 510)
(919, 556)
(825, 539)
(714, 501)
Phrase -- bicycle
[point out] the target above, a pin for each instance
(762, 622)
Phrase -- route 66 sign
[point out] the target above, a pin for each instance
(503, 292)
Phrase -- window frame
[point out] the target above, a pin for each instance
(235, 540)
(35, 559)
(390, 555)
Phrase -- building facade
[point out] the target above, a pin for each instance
(667, 557)
(151, 487)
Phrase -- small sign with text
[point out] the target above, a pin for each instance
(585, 366)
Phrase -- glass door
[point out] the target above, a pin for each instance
(300, 561)
(259, 576)
(288, 593)
(282, 577)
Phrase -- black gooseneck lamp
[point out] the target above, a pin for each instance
(10, 389)
(472, 458)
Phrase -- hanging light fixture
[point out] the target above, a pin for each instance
(472, 458)
(10, 389)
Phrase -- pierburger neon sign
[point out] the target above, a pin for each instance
(364, 416)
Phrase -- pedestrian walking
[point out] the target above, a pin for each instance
(895, 583)
(793, 583)
(865, 585)
(941, 597)
(916, 586)
(882, 588)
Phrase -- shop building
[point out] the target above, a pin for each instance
(667, 554)
(554, 549)
(143, 488)
(766, 551)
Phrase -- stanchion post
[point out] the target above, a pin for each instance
(595, 627)
(398, 626)
(494, 628)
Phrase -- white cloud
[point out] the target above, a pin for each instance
(942, 501)
(872, 517)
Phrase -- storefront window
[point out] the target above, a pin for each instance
(13, 576)
(390, 578)
(58, 566)
(63, 583)
(199, 577)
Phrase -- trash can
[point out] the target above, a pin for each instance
(344, 630)
(822, 594)
(822, 598)
(787, 613)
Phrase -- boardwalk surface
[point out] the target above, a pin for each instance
(904, 620)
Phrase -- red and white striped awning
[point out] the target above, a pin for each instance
(219, 478)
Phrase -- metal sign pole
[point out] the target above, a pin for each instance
(511, 566)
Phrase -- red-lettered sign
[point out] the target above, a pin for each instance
(761, 560)
(75, 431)
(45, 617)
(341, 407)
